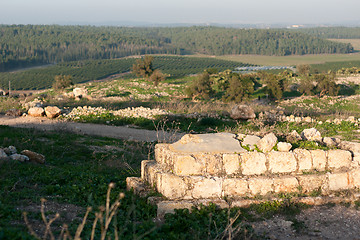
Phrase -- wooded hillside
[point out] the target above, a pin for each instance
(26, 45)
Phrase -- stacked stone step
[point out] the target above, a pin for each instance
(214, 166)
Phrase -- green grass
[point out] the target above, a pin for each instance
(78, 170)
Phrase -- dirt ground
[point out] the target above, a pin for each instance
(119, 132)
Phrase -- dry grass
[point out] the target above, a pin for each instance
(103, 218)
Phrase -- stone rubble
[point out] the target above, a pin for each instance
(10, 153)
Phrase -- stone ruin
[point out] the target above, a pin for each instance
(204, 168)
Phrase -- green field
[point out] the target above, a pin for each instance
(83, 71)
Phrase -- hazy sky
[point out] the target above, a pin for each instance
(179, 11)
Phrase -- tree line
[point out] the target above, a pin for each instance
(26, 45)
(333, 32)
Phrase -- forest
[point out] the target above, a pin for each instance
(27, 45)
(333, 32)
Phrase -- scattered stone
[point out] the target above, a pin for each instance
(267, 142)
(293, 137)
(250, 141)
(13, 113)
(36, 112)
(80, 93)
(34, 157)
(3, 155)
(10, 150)
(52, 111)
(242, 112)
(308, 119)
(311, 134)
(284, 146)
(331, 142)
(19, 157)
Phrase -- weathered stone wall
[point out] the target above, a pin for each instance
(181, 173)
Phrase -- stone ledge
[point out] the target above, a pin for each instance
(247, 163)
(173, 186)
(168, 207)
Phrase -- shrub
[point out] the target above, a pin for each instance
(62, 81)
(239, 89)
(201, 88)
(156, 77)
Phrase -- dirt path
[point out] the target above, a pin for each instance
(119, 132)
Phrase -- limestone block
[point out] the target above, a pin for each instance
(351, 146)
(250, 141)
(213, 162)
(286, 184)
(284, 146)
(260, 186)
(252, 163)
(136, 184)
(148, 171)
(185, 165)
(309, 183)
(235, 187)
(231, 163)
(338, 159)
(170, 206)
(319, 159)
(162, 153)
(355, 177)
(338, 181)
(281, 162)
(206, 187)
(304, 159)
(267, 142)
(171, 186)
(311, 134)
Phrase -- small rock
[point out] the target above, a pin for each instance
(267, 142)
(250, 141)
(331, 142)
(3, 155)
(34, 157)
(10, 150)
(293, 137)
(13, 113)
(52, 111)
(284, 146)
(311, 134)
(242, 112)
(80, 93)
(19, 157)
(36, 112)
(308, 119)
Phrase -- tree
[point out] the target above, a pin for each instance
(326, 84)
(156, 77)
(201, 87)
(143, 67)
(62, 81)
(275, 85)
(303, 69)
(239, 89)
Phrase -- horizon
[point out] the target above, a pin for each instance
(186, 12)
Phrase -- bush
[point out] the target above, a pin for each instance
(201, 88)
(240, 88)
(62, 81)
(156, 77)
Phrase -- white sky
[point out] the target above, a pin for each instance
(179, 11)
